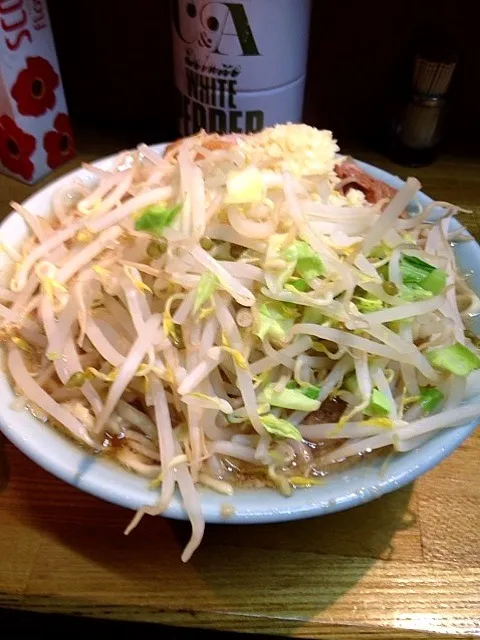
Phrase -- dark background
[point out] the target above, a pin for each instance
(116, 62)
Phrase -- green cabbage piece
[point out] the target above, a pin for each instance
(430, 398)
(206, 287)
(289, 398)
(156, 218)
(456, 358)
(280, 428)
(275, 320)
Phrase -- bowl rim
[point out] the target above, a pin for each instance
(98, 476)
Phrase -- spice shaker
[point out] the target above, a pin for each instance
(418, 131)
(239, 66)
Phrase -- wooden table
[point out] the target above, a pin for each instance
(404, 566)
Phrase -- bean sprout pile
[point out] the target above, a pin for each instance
(239, 311)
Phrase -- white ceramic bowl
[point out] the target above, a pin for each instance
(104, 479)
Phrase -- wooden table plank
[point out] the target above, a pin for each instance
(404, 566)
(449, 509)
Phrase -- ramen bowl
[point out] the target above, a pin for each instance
(102, 477)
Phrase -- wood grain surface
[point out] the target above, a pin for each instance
(404, 566)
